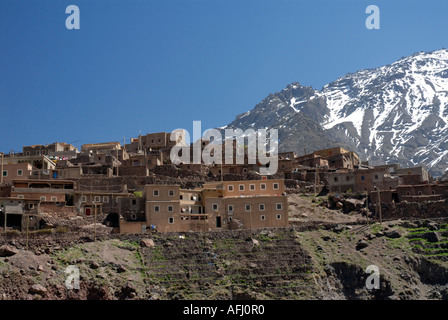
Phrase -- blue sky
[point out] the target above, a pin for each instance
(157, 65)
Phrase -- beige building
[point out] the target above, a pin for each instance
(14, 171)
(216, 206)
(55, 191)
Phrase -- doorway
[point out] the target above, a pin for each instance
(218, 222)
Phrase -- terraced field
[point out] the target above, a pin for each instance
(263, 265)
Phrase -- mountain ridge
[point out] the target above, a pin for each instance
(397, 113)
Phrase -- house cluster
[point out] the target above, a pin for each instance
(249, 204)
(58, 178)
(117, 181)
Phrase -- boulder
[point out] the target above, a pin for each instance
(38, 289)
(353, 204)
(121, 269)
(394, 234)
(432, 237)
(255, 242)
(433, 226)
(362, 244)
(339, 228)
(7, 251)
(147, 243)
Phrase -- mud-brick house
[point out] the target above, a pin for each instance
(366, 179)
(14, 171)
(339, 157)
(414, 175)
(19, 214)
(340, 182)
(132, 216)
(249, 204)
(420, 193)
(51, 193)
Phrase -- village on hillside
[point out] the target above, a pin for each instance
(134, 188)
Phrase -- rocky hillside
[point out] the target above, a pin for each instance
(322, 255)
(395, 113)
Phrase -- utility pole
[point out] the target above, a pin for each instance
(27, 228)
(2, 170)
(4, 215)
(315, 180)
(378, 206)
(94, 221)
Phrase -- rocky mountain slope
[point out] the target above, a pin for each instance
(323, 254)
(395, 113)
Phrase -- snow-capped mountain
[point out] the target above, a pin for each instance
(393, 114)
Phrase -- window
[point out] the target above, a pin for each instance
(245, 170)
(215, 206)
(335, 179)
(275, 186)
(20, 196)
(252, 187)
(43, 198)
(230, 188)
(419, 193)
(152, 140)
(261, 206)
(97, 199)
(134, 202)
(230, 208)
(30, 205)
(408, 193)
(181, 197)
(362, 177)
(347, 178)
(376, 177)
(263, 217)
(170, 209)
(279, 216)
(155, 193)
(133, 216)
(171, 220)
(83, 198)
(247, 207)
(5, 173)
(263, 186)
(19, 172)
(54, 198)
(105, 199)
(156, 208)
(159, 140)
(433, 192)
(279, 206)
(241, 186)
(171, 193)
